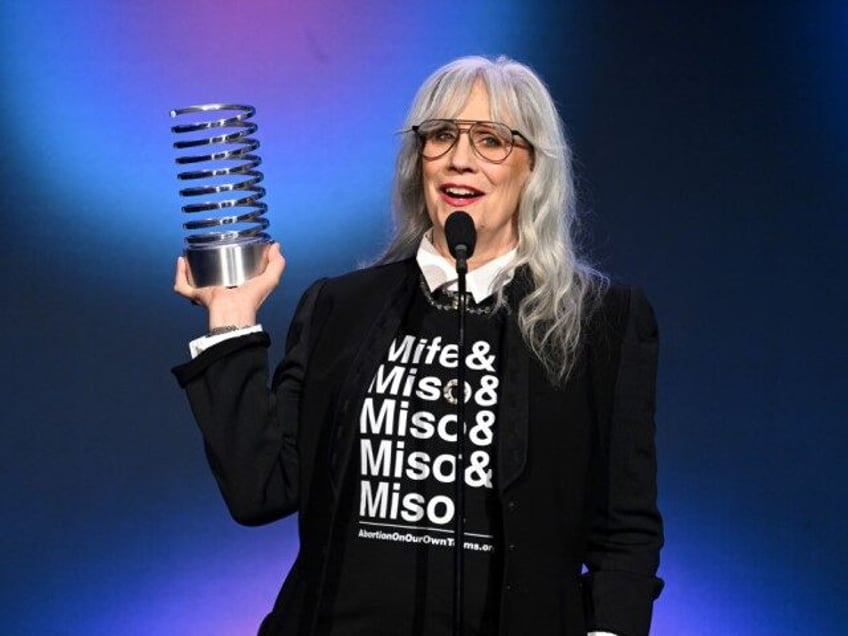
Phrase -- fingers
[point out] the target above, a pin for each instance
(245, 299)
(276, 264)
(181, 284)
(260, 287)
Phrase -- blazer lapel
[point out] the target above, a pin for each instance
(513, 414)
(390, 299)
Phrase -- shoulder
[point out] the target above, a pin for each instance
(361, 290)
(622, 344)
(622, 321)
(622, 309)
(375, 279)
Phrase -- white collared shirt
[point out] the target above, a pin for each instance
(440, 273)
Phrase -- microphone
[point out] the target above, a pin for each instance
(461, 237)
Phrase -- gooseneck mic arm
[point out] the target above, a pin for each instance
(461, 238)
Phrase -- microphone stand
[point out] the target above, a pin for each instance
(459, 473)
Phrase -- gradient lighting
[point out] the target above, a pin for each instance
(116, 527)
(93, 82)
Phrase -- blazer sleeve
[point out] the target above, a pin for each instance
(250, 430)
(626, 531)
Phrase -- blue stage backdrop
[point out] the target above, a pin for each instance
(711, 152)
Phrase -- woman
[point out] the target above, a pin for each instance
(356, 430)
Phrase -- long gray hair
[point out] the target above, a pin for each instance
(564, 287)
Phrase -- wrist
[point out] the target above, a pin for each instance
(223, 315)
(222, 329)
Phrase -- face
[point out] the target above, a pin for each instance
(488, 192)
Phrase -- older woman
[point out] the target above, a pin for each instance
(357, 429)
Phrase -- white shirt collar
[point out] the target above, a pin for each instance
(439, 273)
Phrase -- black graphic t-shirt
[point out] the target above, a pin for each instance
(394, 556)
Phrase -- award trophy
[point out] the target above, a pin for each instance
(227, 245)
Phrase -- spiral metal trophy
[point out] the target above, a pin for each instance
(223, 249)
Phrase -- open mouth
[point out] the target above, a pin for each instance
(460, 193)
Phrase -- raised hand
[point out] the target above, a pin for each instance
(236, 306)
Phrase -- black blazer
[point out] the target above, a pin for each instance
(576, 470)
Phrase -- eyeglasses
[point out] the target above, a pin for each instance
(491, 140)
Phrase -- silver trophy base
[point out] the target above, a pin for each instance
(226, 265)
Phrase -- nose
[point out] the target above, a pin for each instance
(462, 156)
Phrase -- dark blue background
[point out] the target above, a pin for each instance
(710, 143)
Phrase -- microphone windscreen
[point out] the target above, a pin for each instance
(459, 230)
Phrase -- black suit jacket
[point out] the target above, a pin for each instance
(576, 470)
